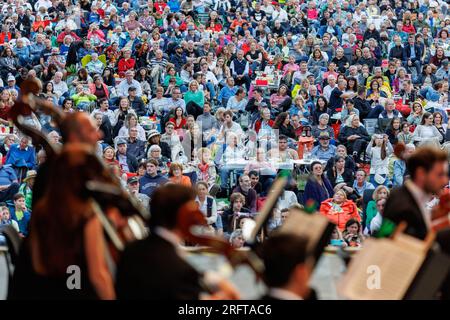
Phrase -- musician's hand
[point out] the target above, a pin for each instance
(227, 291)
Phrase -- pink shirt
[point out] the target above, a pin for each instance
(290, 66)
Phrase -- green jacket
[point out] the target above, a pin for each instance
(28, 193)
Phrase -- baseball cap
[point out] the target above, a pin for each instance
(121, 141)
(324, 135)
(132, 179)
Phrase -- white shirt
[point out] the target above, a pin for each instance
(59, 88)
(327, 91)
(421, 199)
(283, 294)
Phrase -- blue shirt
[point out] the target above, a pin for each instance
(23, 222)
(21, 157)
(227, 92)
(7, 175)
(325, 155)
(360, 190)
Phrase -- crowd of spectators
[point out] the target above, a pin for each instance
(175, 88)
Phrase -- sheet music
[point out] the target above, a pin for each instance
(394, 264)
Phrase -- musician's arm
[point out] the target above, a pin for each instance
(99, 274)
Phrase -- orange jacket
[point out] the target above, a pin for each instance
(349, 211)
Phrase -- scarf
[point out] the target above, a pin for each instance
(19, 215)
(204, 171)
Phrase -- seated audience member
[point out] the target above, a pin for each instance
(245, 189)
(9, 185)
(354, 136)
(339, 209)
(207, 204)
(360, 184)
(381, 192)
(236, 209)
(151, 180)
(352, 233)
(318, 188)
(176, 175)
(133, 189)
(324, 150)
(20, 214)
(5, 217)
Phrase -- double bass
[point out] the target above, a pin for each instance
(126, 224)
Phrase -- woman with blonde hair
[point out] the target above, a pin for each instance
(354, 136)
(131, 121)
(206, 170)
(194, 99)
(339, 209)
(380, 192)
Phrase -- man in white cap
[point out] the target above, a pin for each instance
(11, 83)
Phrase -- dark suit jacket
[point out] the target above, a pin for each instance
(417, 49)
(151, 269)
(131, 162)
(401, 206)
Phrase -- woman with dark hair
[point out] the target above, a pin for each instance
(436, 60)
(339, 175)
(438, 123)
(178, 119)
(321, 107)
(9, 63)
(98, 88)
(281, 100)
(379, 149)
(352, 84)
(393, 130)
(317, 63)
(49, 91)
(426, 132)
(352, 233)
(82, 78)
(49, 72)
(67, 105)
(283, 124)
(65, 235)
(318, 188)
(375, 93)
(108, 77)
(427, 78)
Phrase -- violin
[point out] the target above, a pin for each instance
(190, 221)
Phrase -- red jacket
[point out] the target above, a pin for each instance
(125, 65)
(105, 87)
(259, 122)
(2, 37)
(63, 34)
(349, 211)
